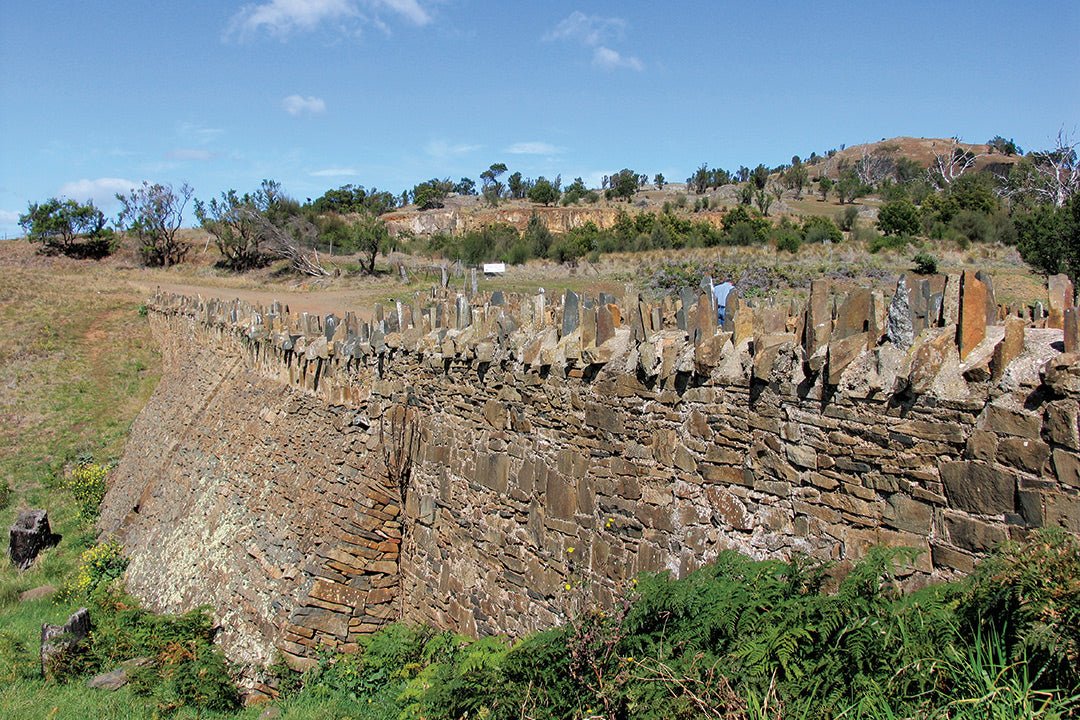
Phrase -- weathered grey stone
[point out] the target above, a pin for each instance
(58, 642)
(29, 536)
(899, 330)
(571, 312)
(118, 678)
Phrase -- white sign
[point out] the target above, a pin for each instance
(494, 268)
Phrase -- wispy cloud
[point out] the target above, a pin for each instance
(588, 29)
(185, 154)
(533, 148)
(334, 172)
(282, 18)
(443, 149)
(101, 190)
(300, 105)
(608, 59)
(598, 33)
(9, 217)
(197, 134)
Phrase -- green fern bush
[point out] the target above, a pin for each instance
(748, 639)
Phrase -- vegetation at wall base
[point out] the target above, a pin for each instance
(750, 639)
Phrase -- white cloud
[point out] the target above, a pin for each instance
(411, 10)
(533, 148)
(102, 190)
(587, 29)
(9, 217)
(608, 59)
(281, 18)
(443, 149)
(597, 33)
(190, 154)
(299, 105)
(334, 172)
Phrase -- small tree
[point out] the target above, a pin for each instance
(898, 218)
(492, 188)
(431, 194)
(234, 222)
(659, 181)
(760, 177)
(154, 213)
(517, 186)
(543, 192)
(763, 199)
(67, 227)
(624, 184)
(825, 184)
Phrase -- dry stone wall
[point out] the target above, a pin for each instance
(488, 462)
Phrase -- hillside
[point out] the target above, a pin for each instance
(466, 213)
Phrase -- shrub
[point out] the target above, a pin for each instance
(818, 229)
(846, 219)
(925, 263)
(787, 239)
(98, 567)
(87, 484)
(68, 227)
(899, 217)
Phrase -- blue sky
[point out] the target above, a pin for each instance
(98, 96)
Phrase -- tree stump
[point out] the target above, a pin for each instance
(30, 535)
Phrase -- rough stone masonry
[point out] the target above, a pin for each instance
(463, 460)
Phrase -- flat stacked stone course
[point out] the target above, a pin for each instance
(576, 442)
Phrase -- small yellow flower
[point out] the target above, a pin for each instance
(569, 550)
(567, 586)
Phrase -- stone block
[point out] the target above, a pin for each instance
(1023, 453)
(604, 418)
(903, 513)
(971, 329)
(1067, 467)
(1062, 510)
(1061, 423)
(843, 350)
(1006, 421)
(971, 534)
(493, 471)
(561, 497)
(978, 487)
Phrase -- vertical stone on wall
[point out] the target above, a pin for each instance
(571, 313)
(854, 316)
(1062, 296)
(899, 329)
(972, 327)
(818, 324)
(705, 325)
(1009, 348)
(991, 301)
(1071, 328)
